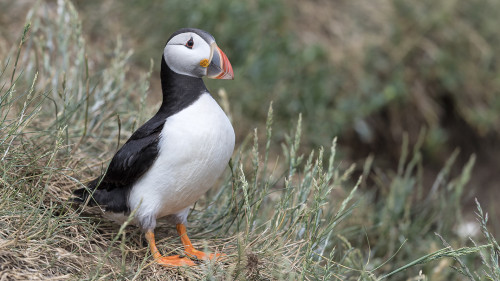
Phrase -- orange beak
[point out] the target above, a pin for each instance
(220, 67)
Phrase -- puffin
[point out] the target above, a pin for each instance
(178, 154)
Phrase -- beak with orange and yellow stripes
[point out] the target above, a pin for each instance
(219, 66)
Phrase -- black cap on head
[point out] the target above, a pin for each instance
(202, 33)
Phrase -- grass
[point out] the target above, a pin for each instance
(294, 214)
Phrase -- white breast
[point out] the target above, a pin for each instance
(194, 149)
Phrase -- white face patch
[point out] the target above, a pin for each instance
(184, 60)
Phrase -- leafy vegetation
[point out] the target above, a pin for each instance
(298, 213)
(430, 61)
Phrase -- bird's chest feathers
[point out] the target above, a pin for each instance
(199, 133)
(194, 149)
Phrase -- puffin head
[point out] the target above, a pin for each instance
(193, 52)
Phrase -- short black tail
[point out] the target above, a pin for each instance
(111, 197)
(82, 194)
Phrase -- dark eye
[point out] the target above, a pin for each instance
(190, 43)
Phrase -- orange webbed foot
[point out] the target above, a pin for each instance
(190, 250)
(174, 261)
(170, 261)
(202, 255)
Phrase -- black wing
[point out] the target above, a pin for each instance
(135, 157)
(131, 161)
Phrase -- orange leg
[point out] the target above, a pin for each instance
(188, 247)
(165, 261)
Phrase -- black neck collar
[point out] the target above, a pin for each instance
(179, 91)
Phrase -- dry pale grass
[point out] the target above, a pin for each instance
(60, 127)
(44, 237)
